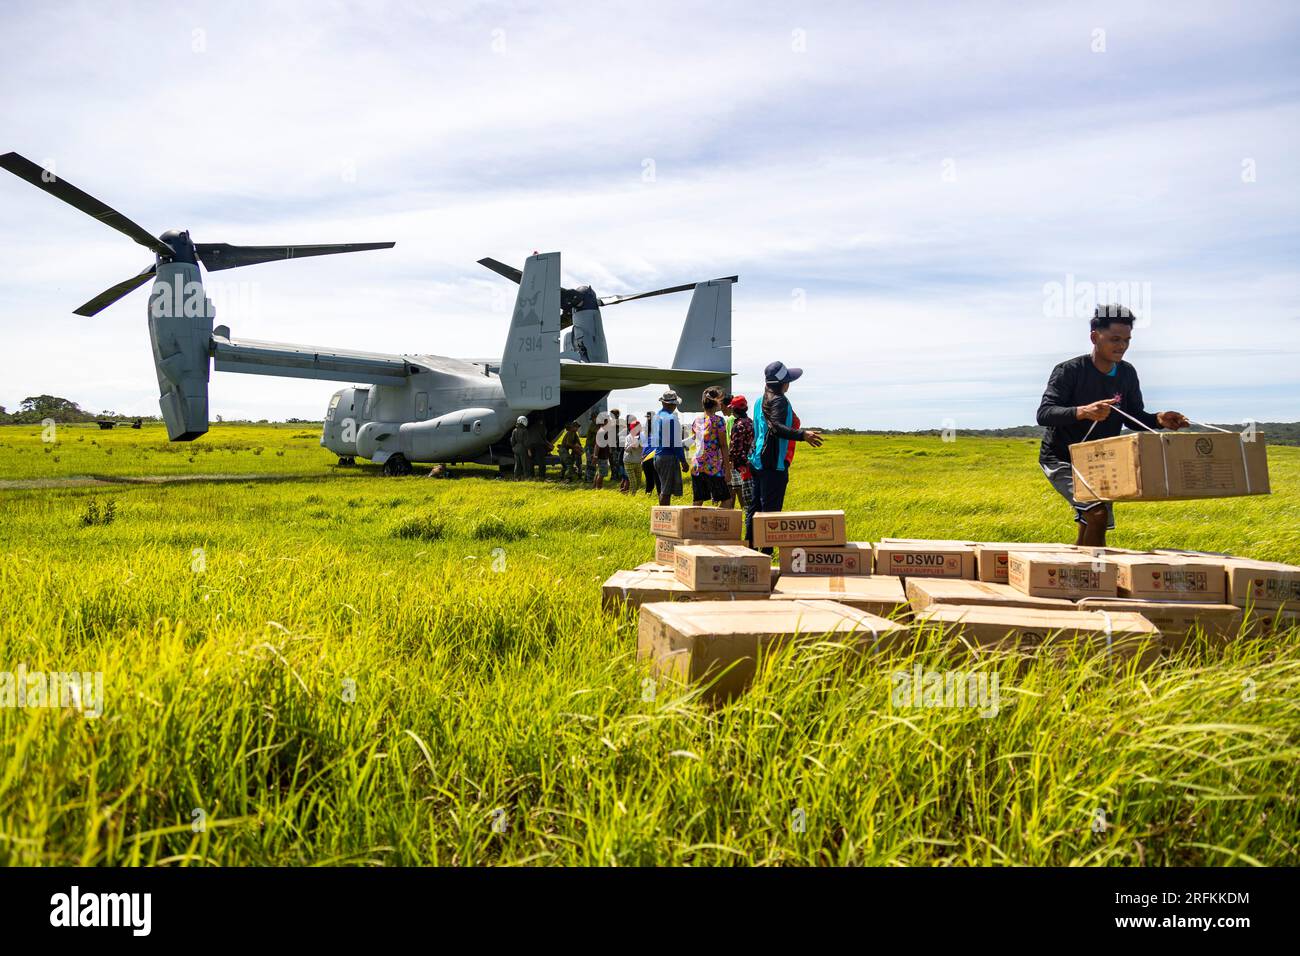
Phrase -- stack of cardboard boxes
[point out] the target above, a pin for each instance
(982, 594)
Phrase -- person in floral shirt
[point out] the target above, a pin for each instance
(711, 462)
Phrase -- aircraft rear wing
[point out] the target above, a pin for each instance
(605, 376)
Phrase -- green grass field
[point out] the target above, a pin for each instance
(325, 666)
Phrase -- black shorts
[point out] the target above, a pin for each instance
(710, 488)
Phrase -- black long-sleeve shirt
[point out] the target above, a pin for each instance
(775, 409)
(1077, 382)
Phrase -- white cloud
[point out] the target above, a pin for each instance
(821, 171)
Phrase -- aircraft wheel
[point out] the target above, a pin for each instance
(346, 461)
(397, 465)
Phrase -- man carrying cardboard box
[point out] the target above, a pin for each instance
(1081, 394)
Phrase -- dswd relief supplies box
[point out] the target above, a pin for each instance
(1158, 466)
(634, 588)
(1176, 619)
(782, 528)
(925, 559)
(724, 567)
(666, 547)
(877, 594)
(1061, 574)
(1005, 628)
(1169, 577)
(686, 522)
(701, 641)
(924, 592)
(851, 558)
(1262, 584)
(991, 557)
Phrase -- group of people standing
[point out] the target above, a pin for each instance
(732, 459)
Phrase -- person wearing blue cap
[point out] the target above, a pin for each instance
(776, 430)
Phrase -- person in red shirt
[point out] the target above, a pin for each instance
(740, 445)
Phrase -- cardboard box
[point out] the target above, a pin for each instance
(1182, 552)
(1004, 628)
(1176, 619)
(666, 546)
(924, 592)
(940, 541)
(925, 559)
(1271, 622)
(687, 523)
(634, 588)
(1262, 584)
(881, 595)
(698, 642)
(651, 566)
(1061, 574)
(726, 567)
(851, 558)
(1170, 577)
(781, 528)
(1150, 466)
(991, 557)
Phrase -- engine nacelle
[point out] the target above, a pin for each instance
(461, 433)
(180, 330)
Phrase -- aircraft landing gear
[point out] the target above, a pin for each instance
(346, 461)
(397, 465)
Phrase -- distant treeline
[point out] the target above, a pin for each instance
(1275, 433)
(35, 409)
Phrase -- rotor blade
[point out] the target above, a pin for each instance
(616, 299)
(501, 269)
(222, 255)
(24, 168)
(111, 295)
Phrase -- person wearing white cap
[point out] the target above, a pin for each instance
(664, 440)
(519, 445)
(598, 442)
(776, 430)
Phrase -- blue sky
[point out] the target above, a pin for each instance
(899, 187)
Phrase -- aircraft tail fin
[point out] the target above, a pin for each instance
(705, 341)
(530, 364)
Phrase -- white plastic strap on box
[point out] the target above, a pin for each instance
(1109, 636)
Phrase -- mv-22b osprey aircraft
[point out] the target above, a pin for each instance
(409, 408)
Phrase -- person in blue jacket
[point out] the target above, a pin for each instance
(776, 430)
(665, 441)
